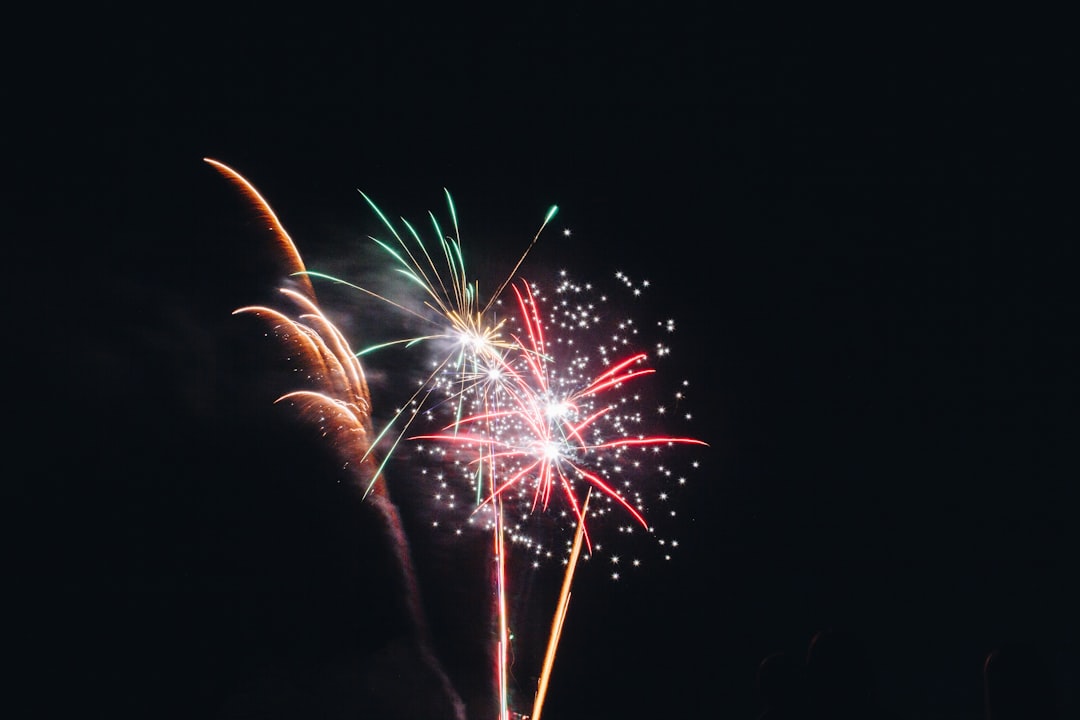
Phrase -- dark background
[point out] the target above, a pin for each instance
(864, 226)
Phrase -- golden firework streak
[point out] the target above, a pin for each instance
(560, 613)
(294, 263)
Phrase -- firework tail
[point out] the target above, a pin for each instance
(340, 405)
(502, 647)
(560, 614)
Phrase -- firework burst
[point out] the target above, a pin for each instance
(564, 412)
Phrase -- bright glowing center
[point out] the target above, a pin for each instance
(552, 450)
(558, 409)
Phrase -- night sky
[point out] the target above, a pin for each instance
(867, 240)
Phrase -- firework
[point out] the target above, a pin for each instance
(553, 431)
(536, 407)
(335, 399)
(293, 263)
(456, 314)
(453, 309)
(556, 417)
(571, 409)
(338, 400)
